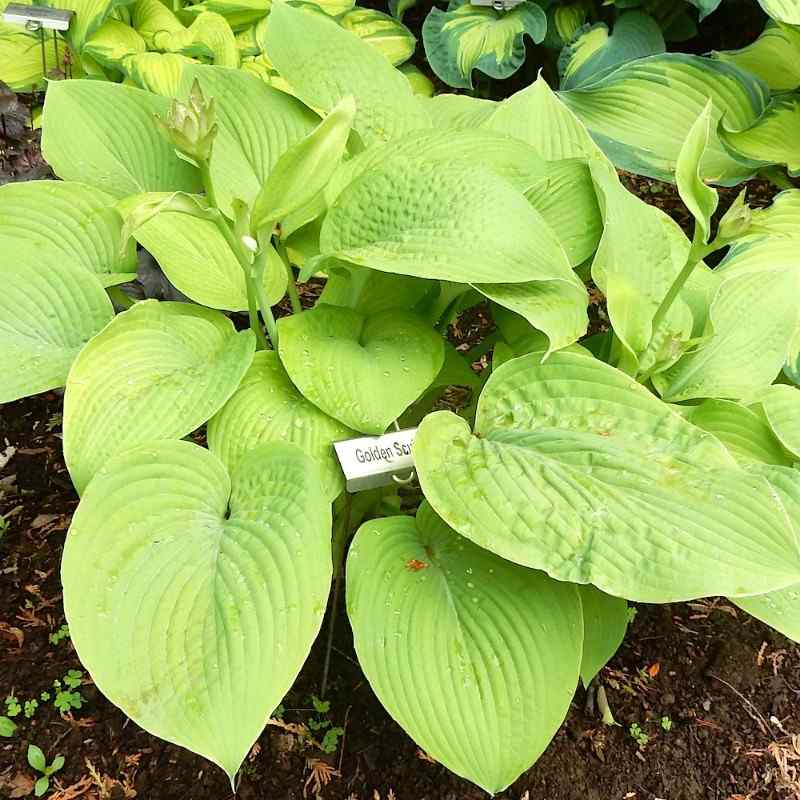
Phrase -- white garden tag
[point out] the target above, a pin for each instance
(372, 461)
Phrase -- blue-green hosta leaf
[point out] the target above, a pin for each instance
(476, 658)
(159, 73)
(103, 134)
(508, 157)
(641, 113)
(605, 621)
(112, 42)
(781, 608)
(781, 405)
(787, 11)
(323, 63)
(361, 370)
(257, 124)
(772, 139)
(267, 407)
(593, 53)
(75, 219)
(745, 433)
(578, 470)
(158, 371)
(701, 200)
(558, 308)
(467, 37)
(194, 610)
(537, 116)
(180, 243)
(50, 306)
(774, 57)
(567, 200)
(409, 216)
(752, 320)
(641, 252)
(386, 34)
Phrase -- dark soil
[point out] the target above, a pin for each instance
(728, 685)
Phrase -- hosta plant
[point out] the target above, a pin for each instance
(653, 461)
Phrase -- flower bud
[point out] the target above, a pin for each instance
(191, 127)
(737, 219)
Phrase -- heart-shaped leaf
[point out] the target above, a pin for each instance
(475, 657)
(50, 306)
(193, 596)
(268, 408)
(158, 371)
(578, 470)
(362, 370)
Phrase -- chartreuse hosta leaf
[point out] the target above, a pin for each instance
(369, 291)
(267, 407)
(76, 219)
(21, 57)
(578, 470)
(537, 116)
(386, 34)
(605, 620)
(103, 134)
(50, 306)
(641, 113)
(112, 42)
(180, 242)
(781, 217)
(567, 200)
(700, 199)
(593, 53)
(467, 37)
(432, 219)
(752, 321)
(558, 308)
(238, 13)
(781, 608)
(324, 63)
(195, 608)
(774, 57)
(772, 139)
(302, 172)
(459, 111)
(158, 371)
(641, 252)
(787, 11)
(89, 16)
(361, 370)
(781, 405)
(257, 124)
(475, 657)
(157, 72)
(744, 432)
(510, 158)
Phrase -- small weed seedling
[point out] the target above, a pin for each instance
(13, 708)
(68, 698)
(638, 735)
(330, 739)
(30, 708)
(666, 724)
(37, 760)
(61, 633)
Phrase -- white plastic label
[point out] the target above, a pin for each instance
(373, 460)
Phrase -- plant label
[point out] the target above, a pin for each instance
(372, 461)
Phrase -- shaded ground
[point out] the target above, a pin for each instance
(726, 686)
